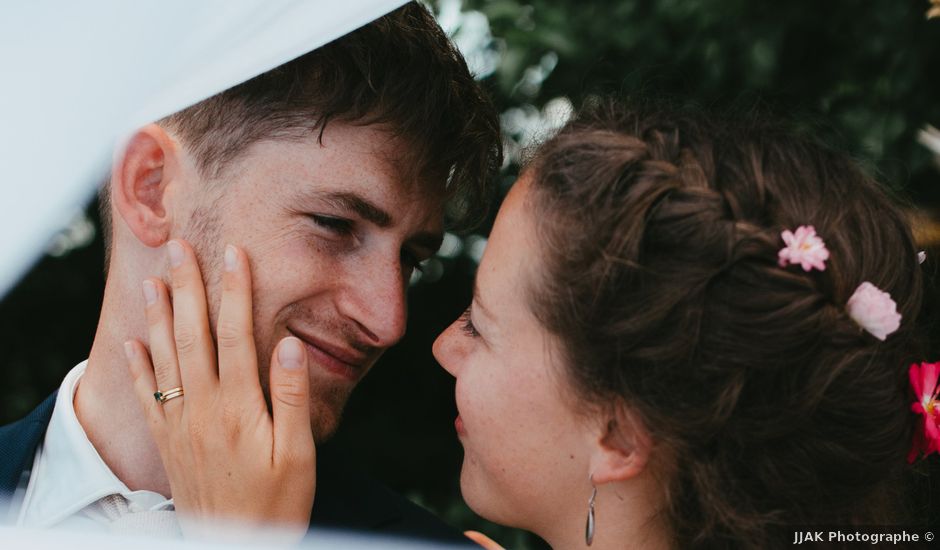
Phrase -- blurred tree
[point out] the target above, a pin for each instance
(863, 67)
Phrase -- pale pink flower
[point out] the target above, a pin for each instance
(804, 247)
(874, 310)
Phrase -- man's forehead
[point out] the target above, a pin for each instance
(371, 153)
(363, 169)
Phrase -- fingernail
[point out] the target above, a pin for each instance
(290, 353)
(231, 258)
(150, 292)
(175, 251)
(129, 350)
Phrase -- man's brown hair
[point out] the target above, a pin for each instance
(400, 71)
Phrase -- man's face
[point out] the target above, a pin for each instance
(333, 235)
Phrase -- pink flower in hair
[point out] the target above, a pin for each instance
(874, 310)
(804, 247)
(927, 435)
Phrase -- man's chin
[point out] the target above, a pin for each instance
(326, 412)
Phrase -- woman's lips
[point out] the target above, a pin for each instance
(458, 425)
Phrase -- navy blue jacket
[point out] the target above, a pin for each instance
(344, 500)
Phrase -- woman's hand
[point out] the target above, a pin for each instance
(227, 458)
(484, 541)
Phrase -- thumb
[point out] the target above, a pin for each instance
(290, 400)
(484, 541)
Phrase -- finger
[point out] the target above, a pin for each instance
(290, 402)
(238, 361)
(194, 346)
(486, 542)
(138, 363)
(166, 371)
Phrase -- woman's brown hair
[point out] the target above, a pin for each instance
(660, 229)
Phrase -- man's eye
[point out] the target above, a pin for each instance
(338, 226)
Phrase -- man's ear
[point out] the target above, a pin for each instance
(622, 449)
(139, 179)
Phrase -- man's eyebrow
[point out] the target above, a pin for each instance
(355, 203)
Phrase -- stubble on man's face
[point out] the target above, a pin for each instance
(204, 231)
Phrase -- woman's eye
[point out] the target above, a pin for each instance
(338, 226)
(466, 324)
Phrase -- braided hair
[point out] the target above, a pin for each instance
(769, 406)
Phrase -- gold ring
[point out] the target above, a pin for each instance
(164, 396)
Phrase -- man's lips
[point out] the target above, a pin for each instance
(338, 360)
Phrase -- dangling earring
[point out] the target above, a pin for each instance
(589, 528)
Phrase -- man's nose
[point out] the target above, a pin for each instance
(376, 302)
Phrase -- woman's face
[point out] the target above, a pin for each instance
(525, 449)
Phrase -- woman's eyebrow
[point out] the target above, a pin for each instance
(477, 301)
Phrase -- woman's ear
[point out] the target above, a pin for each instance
(622, 449)
(140, 176)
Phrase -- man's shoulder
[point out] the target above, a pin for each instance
(18, 442)
(349, 500)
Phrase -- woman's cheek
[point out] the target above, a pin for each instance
(463, 400)
(475, 401)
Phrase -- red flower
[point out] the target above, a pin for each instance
(924, 383)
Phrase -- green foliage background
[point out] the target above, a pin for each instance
(866, 69)
(864, 74)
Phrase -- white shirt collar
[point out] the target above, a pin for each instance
(69, 474)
